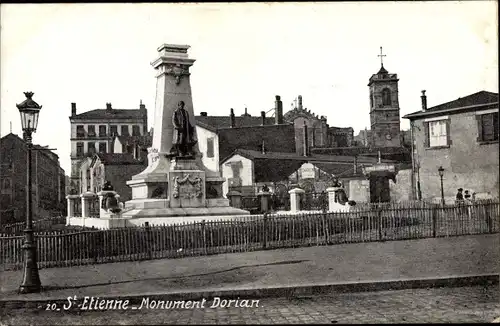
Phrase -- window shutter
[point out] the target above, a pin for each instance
(426, 135)
(479, 119)
(448, 138)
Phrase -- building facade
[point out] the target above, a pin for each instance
(48, 181)
(462, 137)
(219, 136)
(94, 132)
(319, 133)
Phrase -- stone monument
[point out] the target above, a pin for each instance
(175, 182)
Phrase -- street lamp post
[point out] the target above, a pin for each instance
(29, 111)
(441, 173)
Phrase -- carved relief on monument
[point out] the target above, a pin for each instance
(188, 187)
(177, 70)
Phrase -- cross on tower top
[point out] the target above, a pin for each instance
(381, 55)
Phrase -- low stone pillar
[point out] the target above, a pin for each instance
(234, 198)
(295, 199)
(71, 201)
(332, 198)
(103, 212)
(86, 199)
(265, 199)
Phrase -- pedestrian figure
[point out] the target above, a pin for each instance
(467, 195)
(460, 197)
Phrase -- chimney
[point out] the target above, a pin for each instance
(246, 114)
(232, 118)
(73, 109)
(306, 145)
(300, 102)
(141, 106)
(278, 114)
(108, 107)
(424, 101)
(263, 117)
(203, 114)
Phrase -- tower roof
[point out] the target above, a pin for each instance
(382, 70)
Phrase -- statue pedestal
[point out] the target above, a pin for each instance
(182, 192)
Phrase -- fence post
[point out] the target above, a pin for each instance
(434, 221)
(148, 240)
(265, 231)
(204, 236)
(489, 220)
(379, 217)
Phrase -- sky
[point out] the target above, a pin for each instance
(245, 54)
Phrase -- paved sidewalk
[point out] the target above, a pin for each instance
(309, 266)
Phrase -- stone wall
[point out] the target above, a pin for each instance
(402, 189)
(359, 190)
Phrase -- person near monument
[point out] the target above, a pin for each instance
(184, 137)
(459, 197)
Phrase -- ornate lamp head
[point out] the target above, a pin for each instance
(29, 111)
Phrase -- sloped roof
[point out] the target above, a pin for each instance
(143, 141)
(219, 122)
(338, 169)
(117, 159)
(469, 102)
(103, 114)
(252, 154)
(382, 71)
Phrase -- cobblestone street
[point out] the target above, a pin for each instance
(466, 304)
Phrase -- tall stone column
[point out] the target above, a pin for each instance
(172, 85)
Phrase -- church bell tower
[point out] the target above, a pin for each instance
(384, 108)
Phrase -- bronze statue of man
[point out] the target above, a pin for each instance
(184, 132)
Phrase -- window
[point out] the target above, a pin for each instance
(438, 133)
(102, 147)
(91, 148)
(79, 149)
(124, 130)
(88, 180)
(371, 99)
(102, 131)
(487, 125)
(210, 147)
(91, 131)
(80, 131)
(386, 96)
(136, 130)
(113, 130)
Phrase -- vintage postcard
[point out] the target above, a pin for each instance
(249, 163)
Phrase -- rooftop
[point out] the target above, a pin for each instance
(104, 114)
(252, 154)
(470, 102)
(117, 159)
(221, 122)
